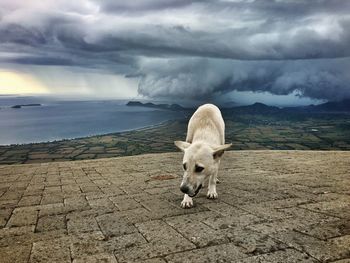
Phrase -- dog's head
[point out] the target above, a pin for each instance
(199, 162)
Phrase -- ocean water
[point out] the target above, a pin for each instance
(56, 120)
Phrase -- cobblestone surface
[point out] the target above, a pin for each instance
(273, 206)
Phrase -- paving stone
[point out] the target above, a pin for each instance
(71, 189)
(343, 245)
(52, 190)
(76, 203)
(49, 223)
(114, 225)
(265, 212)
(16, 231)
(138, 215)
(287, 256)
(52, 199)
(23, 217)
(231, 221)
(54, 251)
(198, 233)
(273, 206)
(162, 240)
(103, 205)
(319, 249)
(5, 214)
(106, 258)
(30, 237)
(88, 244)
(153, 260)
(16, 254)
(8, 203)
(253, 242)
(125, 202)
(300, 219)
(345, 260)
(326, 230)
(52, 209)
(30, 200)
(220, 253)
(78, 223)
(161, 207)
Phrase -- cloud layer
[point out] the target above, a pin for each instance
(182, 48)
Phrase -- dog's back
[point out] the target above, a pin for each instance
(206, 124)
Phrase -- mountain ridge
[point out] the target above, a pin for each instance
(258, 107)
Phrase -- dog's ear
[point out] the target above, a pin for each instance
(182, 145)
(219, 150)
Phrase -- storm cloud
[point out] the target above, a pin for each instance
(198, 49)
(200, 78)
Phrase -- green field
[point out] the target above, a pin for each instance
(245, 131)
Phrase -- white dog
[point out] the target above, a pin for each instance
(204, 146)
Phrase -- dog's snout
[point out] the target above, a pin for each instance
(184, 188)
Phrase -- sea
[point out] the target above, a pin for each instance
(58, 119)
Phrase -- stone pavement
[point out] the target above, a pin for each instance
(273, 206)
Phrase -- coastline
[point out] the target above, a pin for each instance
(143, 128)
(116, 144)
(245, 132)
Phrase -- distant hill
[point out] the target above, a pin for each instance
(343, 105)
(175, 107)
(255, 108)
(331, 106)
(260, 108)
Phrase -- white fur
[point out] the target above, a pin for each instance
(204, 146)
(187, 202)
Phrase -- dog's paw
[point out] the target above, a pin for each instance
(212, 195)
(188, 203)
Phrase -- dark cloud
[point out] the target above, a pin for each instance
(207, 78)
(42, 61)
(189, 48)
(143, 5)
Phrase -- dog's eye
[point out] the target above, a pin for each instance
(198, 169)
(184, 166)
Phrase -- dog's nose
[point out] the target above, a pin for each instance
(184, 188)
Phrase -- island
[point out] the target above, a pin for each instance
(25, 105)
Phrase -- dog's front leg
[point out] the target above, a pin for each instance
(187, 202)
(212, 194)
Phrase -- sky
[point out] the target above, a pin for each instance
(279, 52)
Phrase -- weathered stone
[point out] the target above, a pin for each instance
(218, 253)
(23, 217)
(106, 258)
(273, 206)
(76, 203)
(125, 203)
(77, 223)
(51, 199)
(319, 249)
(162, 240)
(30, 200)
(4, 216)
(198, 233)
(49, 223)
(287, 256)
(54, 251)
(115, 225)
(18, 254)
